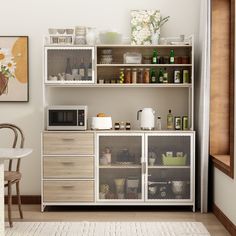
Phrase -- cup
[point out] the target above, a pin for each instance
(75, 72)
(152, 161)
(102, 195)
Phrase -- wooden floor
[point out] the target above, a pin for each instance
(32, 213)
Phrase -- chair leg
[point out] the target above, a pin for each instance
(9, 204)
(19, 199)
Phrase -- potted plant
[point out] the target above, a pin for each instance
(7, 69)
(156, 24)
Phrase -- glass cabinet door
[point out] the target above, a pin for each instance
(169, 167)
(120, 167)
(69, 64)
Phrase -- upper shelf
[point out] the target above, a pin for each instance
(142, 46)
(119, 46)
(143, 65)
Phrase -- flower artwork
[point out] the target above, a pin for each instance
(13, 68)
(145, 23)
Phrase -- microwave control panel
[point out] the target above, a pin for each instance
(81, 119)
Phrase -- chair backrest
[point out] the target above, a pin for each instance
(18, 141)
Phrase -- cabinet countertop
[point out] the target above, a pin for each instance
(122, 131)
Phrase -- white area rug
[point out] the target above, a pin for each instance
(107, 229)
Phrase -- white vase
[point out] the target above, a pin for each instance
(91, 36)
(155, 38)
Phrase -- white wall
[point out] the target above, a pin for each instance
(32, 18)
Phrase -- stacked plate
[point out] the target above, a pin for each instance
(106, 56)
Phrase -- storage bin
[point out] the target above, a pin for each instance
(174, 161)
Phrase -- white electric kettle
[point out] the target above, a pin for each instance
(147, 118)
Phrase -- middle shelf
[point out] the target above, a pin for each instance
(144, 65)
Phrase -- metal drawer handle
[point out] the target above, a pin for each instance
(68, 139)
(67, 163)
(68, 186)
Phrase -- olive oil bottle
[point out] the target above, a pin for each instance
(170, 121)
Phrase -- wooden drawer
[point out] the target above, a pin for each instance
(68, 167)
(68, 191)
(63, 143)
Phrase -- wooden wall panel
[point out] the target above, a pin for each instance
(220, 78)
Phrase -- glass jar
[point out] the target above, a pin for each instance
(140, 76)
(127, 126)
(146, 77)
(117, 126)
(122, 125)
(122, 75)
(128, 76)
(147, 59)
(134, 76)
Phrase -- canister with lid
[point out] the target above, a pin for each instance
(134, 75)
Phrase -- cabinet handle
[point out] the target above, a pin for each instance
(67, 163)
(144, 167)
(68, 139)
(68, 186)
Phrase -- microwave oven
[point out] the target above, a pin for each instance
(67, 117)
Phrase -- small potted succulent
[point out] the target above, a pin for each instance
(7, 69)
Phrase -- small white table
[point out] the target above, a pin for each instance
(6, 154)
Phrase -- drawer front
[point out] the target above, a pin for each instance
(68, 143)
(68, 191)
(68, 167)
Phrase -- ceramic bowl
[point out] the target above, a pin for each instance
(52, 31)
(152, 190)
(61, 31)
(69, 31)
(109, 37)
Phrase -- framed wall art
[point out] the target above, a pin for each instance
(14, 69)
(142, 26)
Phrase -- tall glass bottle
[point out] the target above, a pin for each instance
(160, 76)
(82, 69)
(165, 76)
(172, 56)
(154, 57)
(68, 66)
(89, 71)
(153, 76)
(170, 121)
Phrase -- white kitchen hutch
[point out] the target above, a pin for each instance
(72, 172)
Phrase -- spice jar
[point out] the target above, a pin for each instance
(140, 75)
(146, 77)
(122, 75)
(185, 122)
(122, 125)
(186, 77)
(166, 60)
(128, 76)
(127, 126)
(117, 125)
(134, 76)
(185, 60)
(161, 60)
(177, 123)
(178, 60)
(147, 60)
